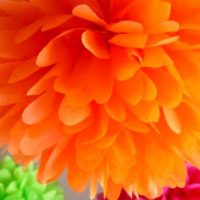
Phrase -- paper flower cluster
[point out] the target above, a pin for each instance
(19, 184)
(102, 88)
(191, 191)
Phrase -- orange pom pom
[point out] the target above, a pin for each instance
(107, 89)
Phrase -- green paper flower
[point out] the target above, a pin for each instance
(19, 184)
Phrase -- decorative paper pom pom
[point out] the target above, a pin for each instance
(107, 89)
(19, 184)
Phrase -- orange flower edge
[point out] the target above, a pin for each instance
(107, 89)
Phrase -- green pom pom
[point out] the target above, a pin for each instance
(19, 184)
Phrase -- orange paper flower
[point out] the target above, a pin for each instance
(108, 89)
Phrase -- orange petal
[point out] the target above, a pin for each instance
(49, 54)
(113, 190)
(156, 57)
(21, 71)
(115, 108)
(147, 111)
(54, 163)
(72, 79)
(123, 151)
(9, 95)
(7, 121)
(123, 66)
(172, 120)
(126, 26)
(46, 81)
(10, 23)
(131, 90)
(77, 178)
(134, 124)
(164, 41)
(28, 31)
(19, 128)
(78, 127)
(78, 98)
(46, 125)
(72, 115)
(54, 21)
(99, 80)
(150, 91)
(60, 48)
(17, 51)
(129, 40)
(169, 90)
(5, 71)
(93, 187)
(37, 110)
(108, 140)
(85, 12)
(34, 146)
(165, 27)
(41, 171)
(187, 64)
(122, 154)
(152, 12)
(92, 160)
(94, 42)
(99, 126)
(23, 10)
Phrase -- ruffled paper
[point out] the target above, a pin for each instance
(191, 191)
(107, 89)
